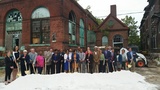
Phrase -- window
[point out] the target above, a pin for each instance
(14, 21)
(91, 37)
(40, 26)
(118, 38)
(81, 31)
(72, 28)
(104, 41)
(118, 41)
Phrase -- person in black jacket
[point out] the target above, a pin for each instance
(55, 64)
(61, 61)
(8, 67)
(16, 56)
(24, 61)
(89, 60)
(113, 61)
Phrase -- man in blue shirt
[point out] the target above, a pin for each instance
(131, 55)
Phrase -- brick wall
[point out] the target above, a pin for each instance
(59, 12)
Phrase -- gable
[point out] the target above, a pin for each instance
(112, 23)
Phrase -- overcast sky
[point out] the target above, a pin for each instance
(101, 8)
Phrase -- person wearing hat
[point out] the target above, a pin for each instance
(24, 62)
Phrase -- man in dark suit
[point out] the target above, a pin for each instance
(55, 65)
(107, 55)
(61, 61)
(131, 55)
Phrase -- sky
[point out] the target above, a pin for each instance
(101, 8)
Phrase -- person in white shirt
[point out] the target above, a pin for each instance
(67, 59)
(124, 59)
(32, 56)
(70, 55)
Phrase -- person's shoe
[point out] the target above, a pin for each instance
(6, 83)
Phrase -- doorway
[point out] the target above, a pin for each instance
(15, 40)
(118, 41)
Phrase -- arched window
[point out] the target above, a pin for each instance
(104, 41)
(81, 31)
(72, 28)
(13, 29)
(40, 26)
(14, 21)
(41, 12)
(118, 41)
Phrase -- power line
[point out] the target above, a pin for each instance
(130, 13)
(125, 13)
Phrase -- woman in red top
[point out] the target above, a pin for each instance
(40, 62)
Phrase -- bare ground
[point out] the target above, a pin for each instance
(151, 73)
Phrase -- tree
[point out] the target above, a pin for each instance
(99, 21)
(134, 38)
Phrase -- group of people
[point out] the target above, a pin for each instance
(57, 61)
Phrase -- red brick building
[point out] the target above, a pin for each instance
(112, 31)
(44, 23)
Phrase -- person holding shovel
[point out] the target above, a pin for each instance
(75, 61)
(67, 60)
(55, 65)
(61, 61)
(107, 55)
(131, 55)
(96, 58)
(82, 62)
(48, 56)
(119, 61)
(8, 67)
(102, 62)
(16, 56)
(40, 62)
(24, 62)
(32, 56)
(113, 62)
(89, 61)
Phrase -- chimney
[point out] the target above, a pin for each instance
(113, 10)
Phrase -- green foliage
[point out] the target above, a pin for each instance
(99, 21)
(134, 38)
(105, 32)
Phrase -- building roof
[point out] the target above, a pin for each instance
(115, 18)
